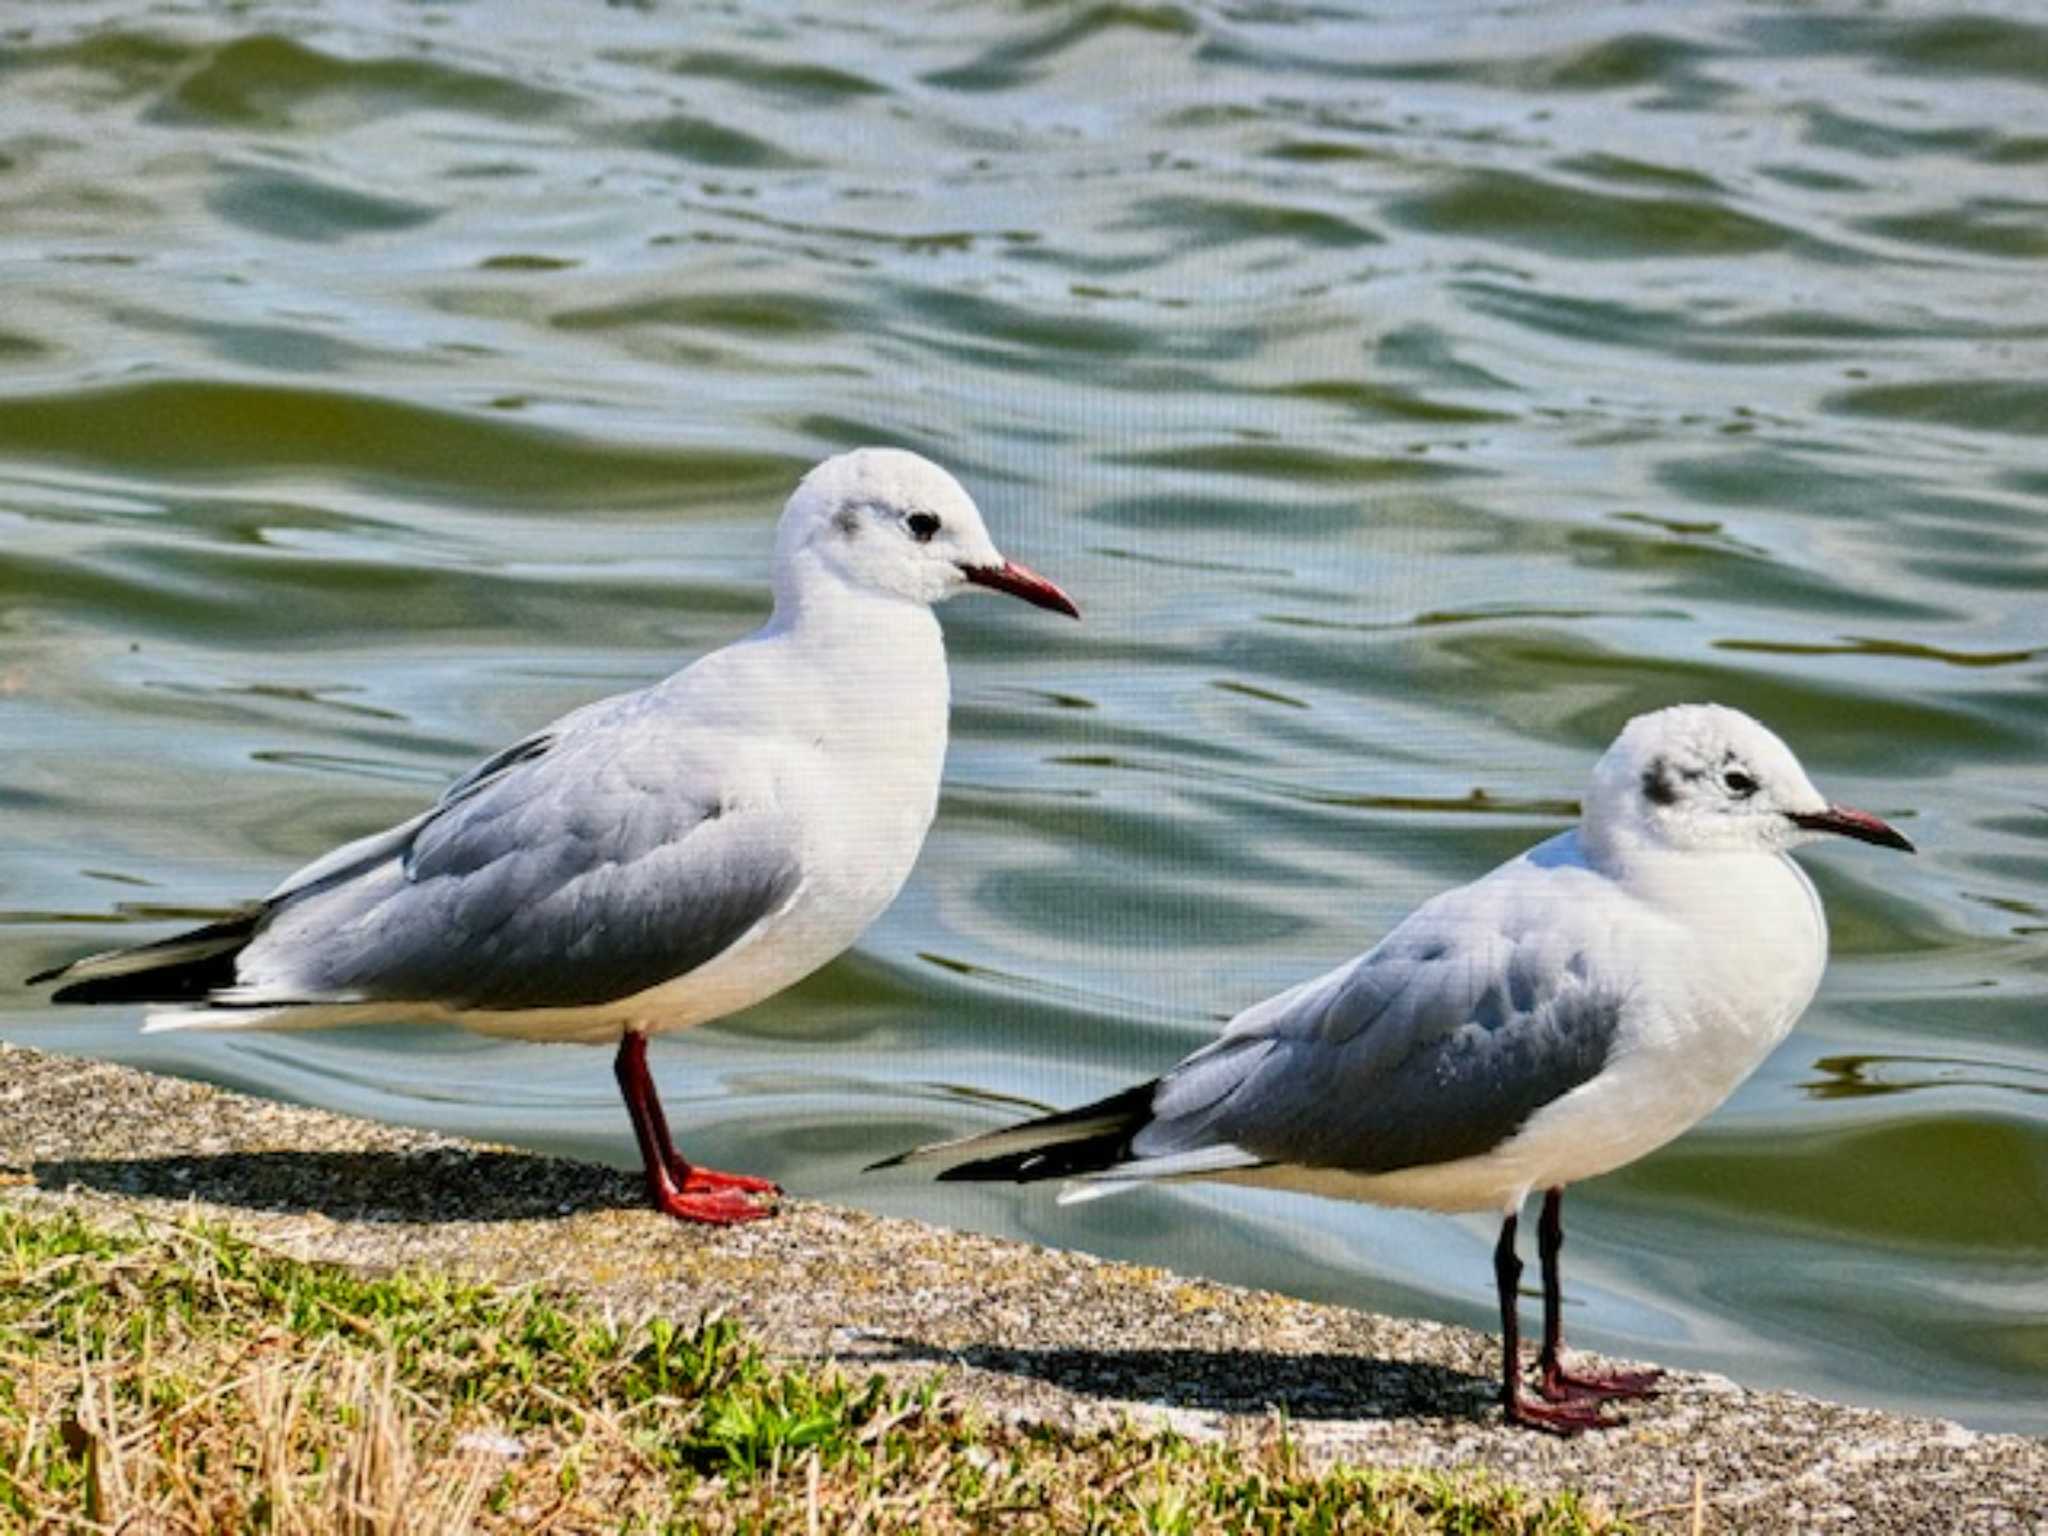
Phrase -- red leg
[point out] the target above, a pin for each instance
(687, 1193)
(1565, 1418)
(693, 1178)
(1559, 1384)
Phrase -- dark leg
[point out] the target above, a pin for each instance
(1549, 1243)
(1567, 1418)
(687, 1193)
(1560, 1384)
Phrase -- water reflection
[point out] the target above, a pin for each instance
(1855, 1077)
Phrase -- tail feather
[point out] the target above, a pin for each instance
(185, 968)
(1061, 1146)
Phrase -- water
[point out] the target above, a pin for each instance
(1408, 396)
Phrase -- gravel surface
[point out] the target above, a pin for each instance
(1026, 1332)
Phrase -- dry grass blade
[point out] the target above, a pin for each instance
(222, 1388)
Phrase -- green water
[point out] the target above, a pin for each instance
(1408, 397)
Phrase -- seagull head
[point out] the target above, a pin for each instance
(883, 520)
(1704, 777)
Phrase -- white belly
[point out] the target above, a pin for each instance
(1645, 1098)
(778, 953)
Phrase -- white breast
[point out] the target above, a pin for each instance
(1744, 948)
(852, 762)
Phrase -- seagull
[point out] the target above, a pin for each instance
(651, 860)
(1565, 1014)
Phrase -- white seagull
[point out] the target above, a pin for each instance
(651, 860)
(1558, 1018)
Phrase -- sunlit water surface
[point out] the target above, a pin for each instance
(1409, 396)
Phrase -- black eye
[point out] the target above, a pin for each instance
(1738, 783)
(922, 526)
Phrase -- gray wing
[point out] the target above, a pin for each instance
(365, 853)
(575, 868)
(1437, 1045)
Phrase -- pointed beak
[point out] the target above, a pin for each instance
(1019, 581)
(1846, 821)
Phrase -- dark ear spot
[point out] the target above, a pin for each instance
(1658, 787)
(847, 521)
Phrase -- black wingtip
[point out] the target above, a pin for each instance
(1095, 1135)
(184, 968)
(1009, 1168)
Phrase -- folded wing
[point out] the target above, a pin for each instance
(619, 855)
(1437, 1045)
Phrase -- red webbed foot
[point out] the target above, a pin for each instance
(696, 1179)
(1572, 1417)
(1561, 1385)
(713, 1207)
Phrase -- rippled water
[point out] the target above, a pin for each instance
(1407, 395)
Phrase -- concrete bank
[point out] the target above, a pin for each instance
(1024, 1331)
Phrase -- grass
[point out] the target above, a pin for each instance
(175, 1378)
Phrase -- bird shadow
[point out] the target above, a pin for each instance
(445, 1184)
(1303, 1386)
(434, 1184)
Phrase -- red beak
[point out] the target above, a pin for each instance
(1850, 822)
(1019, 581)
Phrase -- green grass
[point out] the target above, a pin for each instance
(176, 1377)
